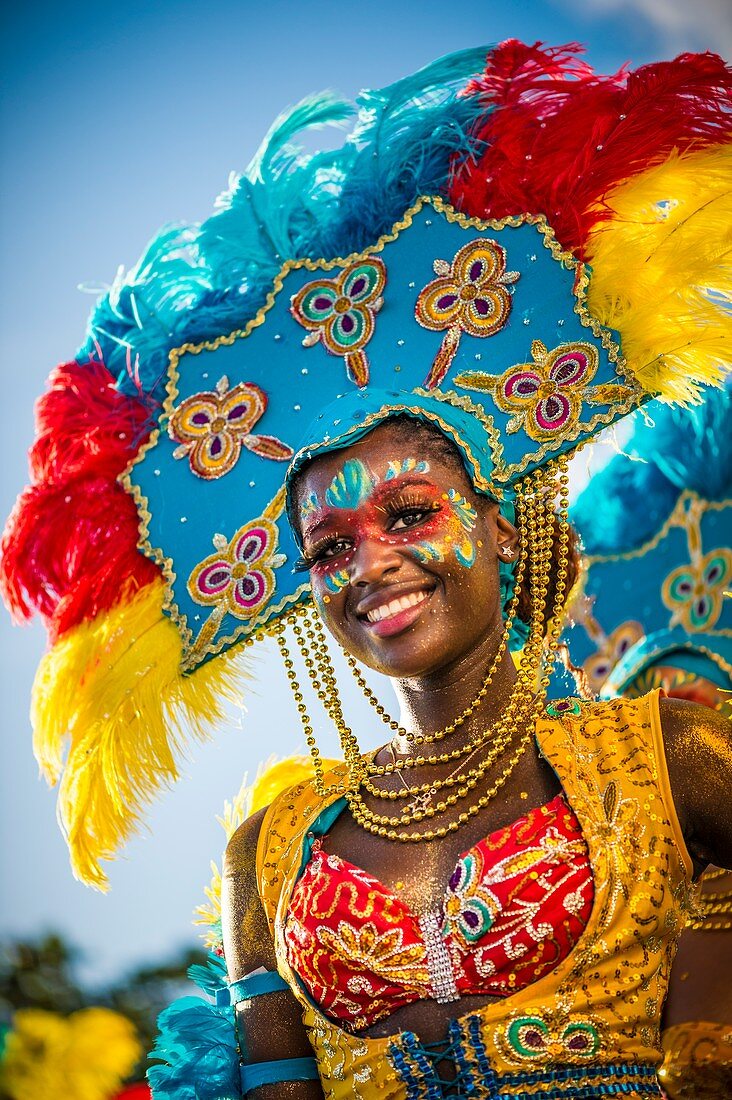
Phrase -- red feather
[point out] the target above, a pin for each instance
(85, 425)
(70, 551)
(560, 137)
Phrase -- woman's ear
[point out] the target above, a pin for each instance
(505, 535)
(506, 538)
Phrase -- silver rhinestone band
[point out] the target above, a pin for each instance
(439, 963)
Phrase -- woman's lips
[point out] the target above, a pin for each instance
(395, 615)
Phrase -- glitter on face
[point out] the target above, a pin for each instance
(379, 505)
(454, 538)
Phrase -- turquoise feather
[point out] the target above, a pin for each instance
(197, 282)
(196, 1049)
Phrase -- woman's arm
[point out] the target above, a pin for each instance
(270, 1026)
(698, 744)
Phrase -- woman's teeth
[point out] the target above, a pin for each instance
(385, 610)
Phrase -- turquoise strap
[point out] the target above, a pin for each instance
(286, 1069)
(254, 985)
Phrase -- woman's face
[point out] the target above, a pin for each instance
(402, 552)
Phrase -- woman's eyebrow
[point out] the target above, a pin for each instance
(310, 531)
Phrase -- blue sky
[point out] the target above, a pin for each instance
(114, 120)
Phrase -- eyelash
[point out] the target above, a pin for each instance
(401, 504)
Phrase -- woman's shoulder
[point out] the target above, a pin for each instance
(241, 849)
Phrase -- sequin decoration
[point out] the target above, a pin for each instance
(469, 295)
(612, 648)
(514, 906)
(239, 578)
(694, 593)
(213, 426)
(532, 1038)
(545, 397)
(340, 312)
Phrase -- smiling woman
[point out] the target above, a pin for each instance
(500, 260)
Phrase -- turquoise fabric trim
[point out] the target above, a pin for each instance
(255, 985)
(284, 1069)
(319, 828)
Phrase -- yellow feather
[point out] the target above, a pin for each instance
(85, 1056)
(113, 689)
(662, 272)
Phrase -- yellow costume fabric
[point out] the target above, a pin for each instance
(610, 989)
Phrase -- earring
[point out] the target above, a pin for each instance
(508, 551)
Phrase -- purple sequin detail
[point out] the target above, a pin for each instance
(447, 301)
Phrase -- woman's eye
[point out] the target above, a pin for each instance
(331, 550)
(409, 519)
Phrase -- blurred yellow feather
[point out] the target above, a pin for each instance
(679, 215)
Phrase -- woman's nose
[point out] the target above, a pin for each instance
(373, 559)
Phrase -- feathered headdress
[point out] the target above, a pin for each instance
(560, 166)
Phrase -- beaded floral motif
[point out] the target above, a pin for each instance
(695, 592)
(340, 312)
(469, 295)
(545, 397)
(560, 707)
(534, 1037)
(524, 893)
(239, 578)
(601, 663)
(213, 426)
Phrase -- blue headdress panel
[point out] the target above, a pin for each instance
(481, 328)
(657, 523)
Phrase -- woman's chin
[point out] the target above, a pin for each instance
(411, 653)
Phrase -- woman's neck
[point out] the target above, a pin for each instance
(430, 703)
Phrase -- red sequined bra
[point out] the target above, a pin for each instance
(515, 906)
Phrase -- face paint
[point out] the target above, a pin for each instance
(462, 519)
(351, 487)
(335, 581)
(372, 499)
(406, 466)
(309, 506)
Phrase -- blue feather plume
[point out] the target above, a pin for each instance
(629, 500)
(196, 1045)
(196, 282)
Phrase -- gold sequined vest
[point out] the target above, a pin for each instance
(591, 1026)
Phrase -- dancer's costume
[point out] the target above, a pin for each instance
(515, 251)
(656, 524)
